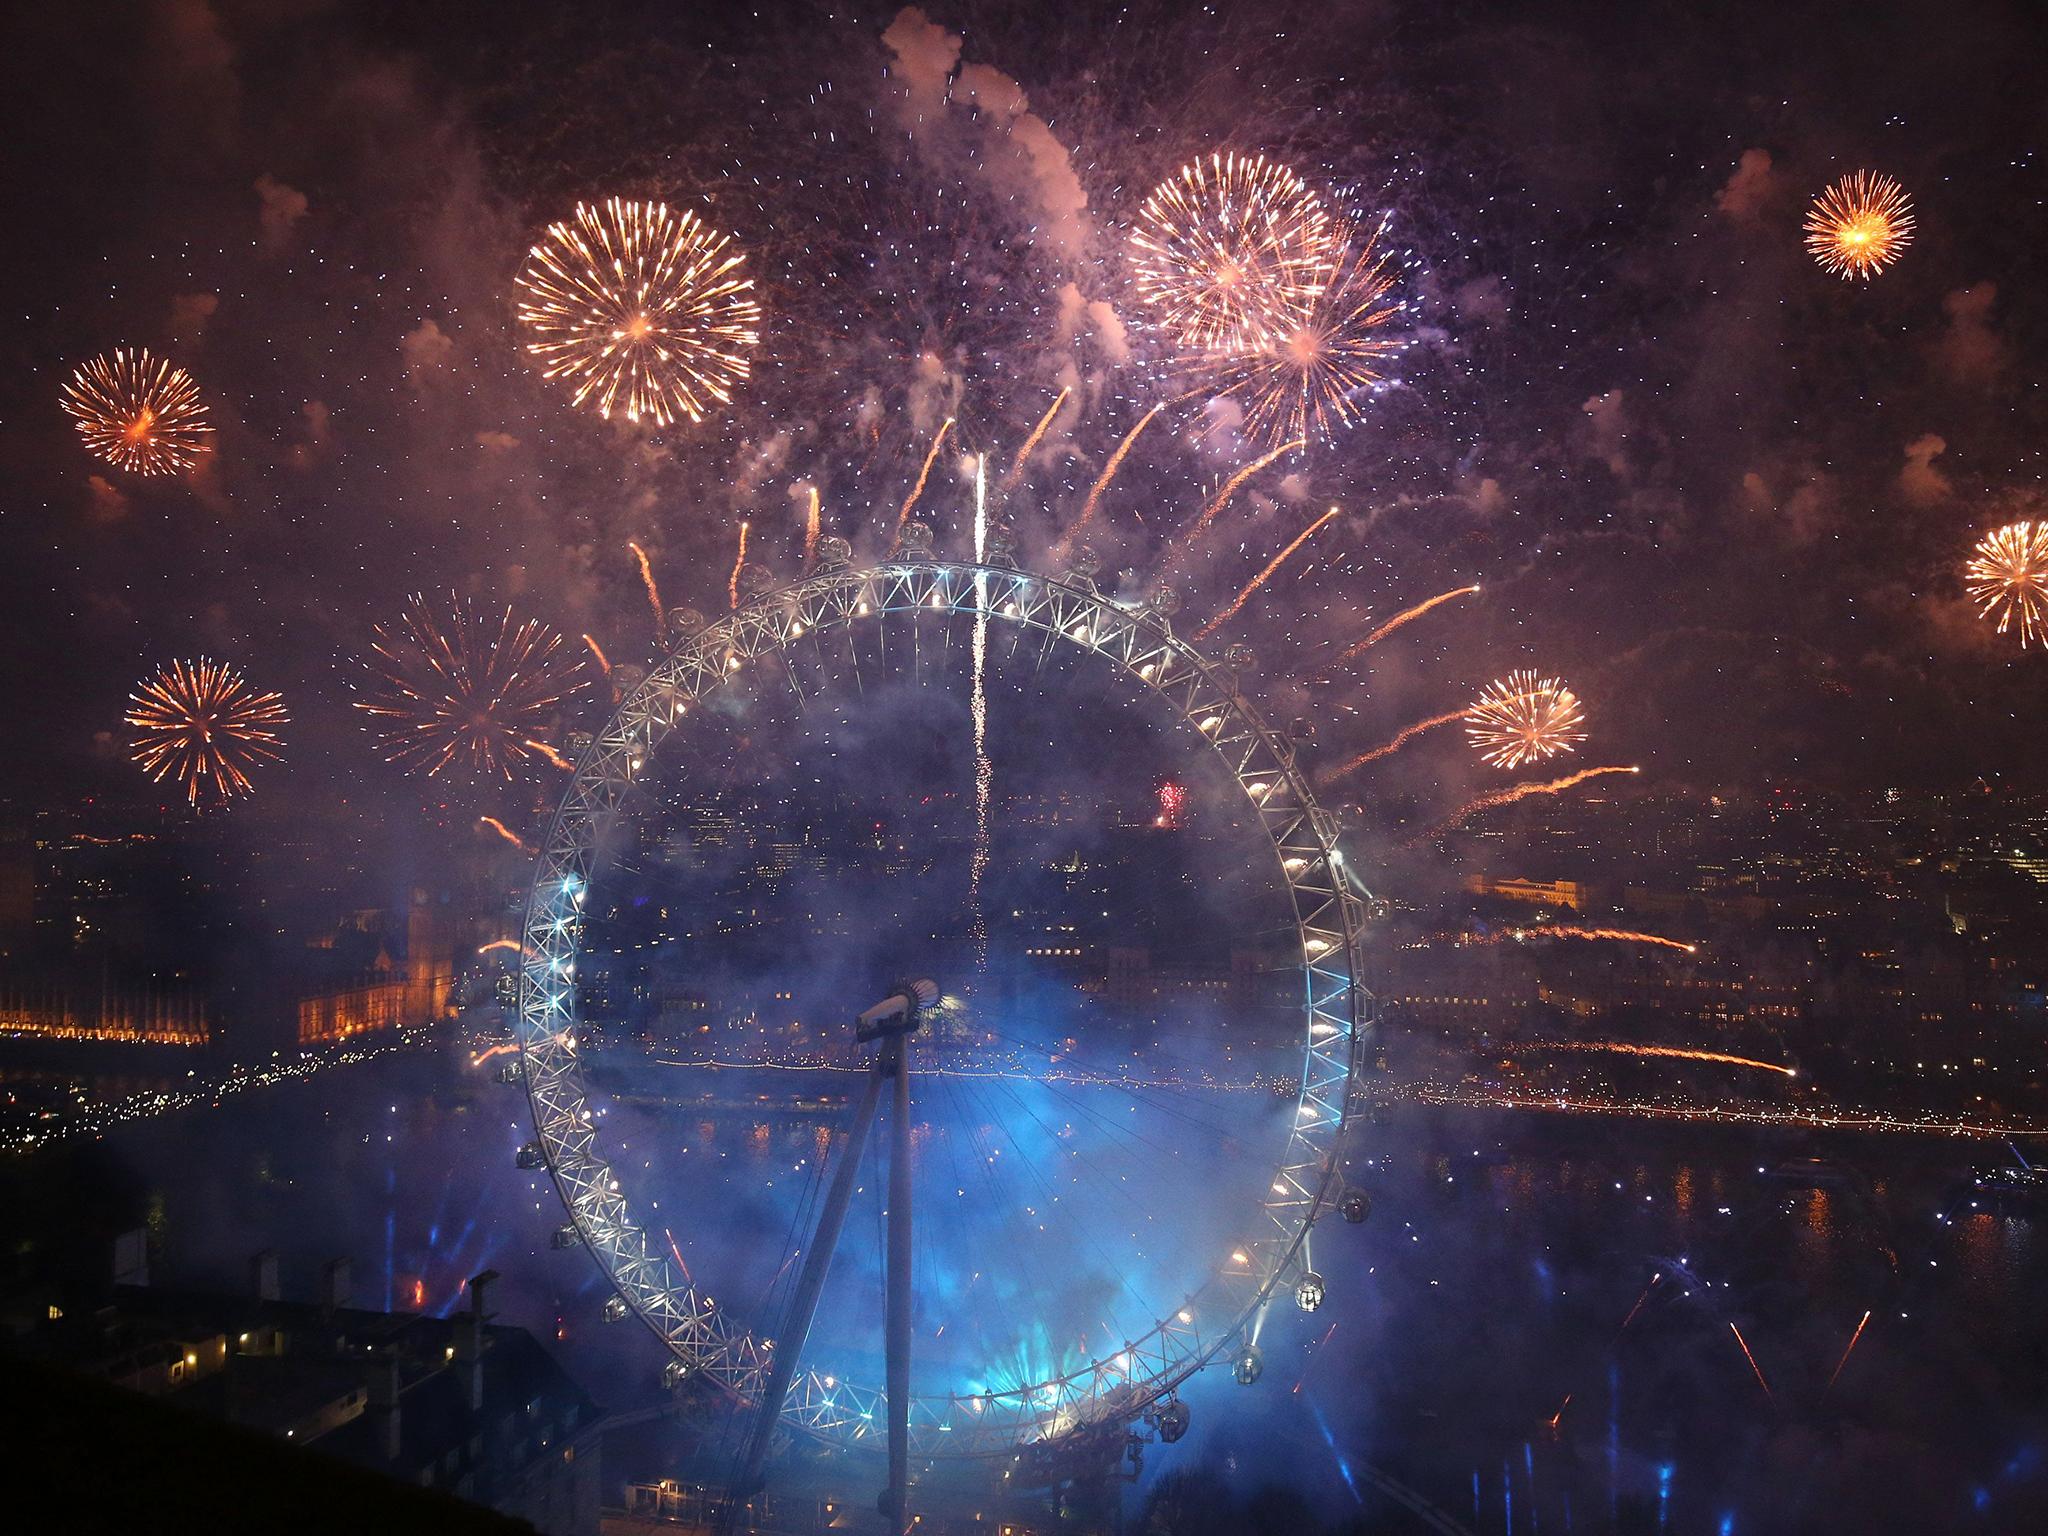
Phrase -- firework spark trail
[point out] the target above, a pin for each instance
(505, 832)
(552, 756)
(597, 650)
(1404, 617)
(1860, 225)
(739, 564)
(1230, 489)
(685, 1263)
(1116, 461)
(502, 1048)
(1330, 776)
(1572, 931)
(1847, 1352)
(204, 727)
(2007, 578)
(917, 490)
(647, 580)
(811, 528)
(1037, 434)
(1260, 580)
(1312, 1351)
(1667, 1052)
(497, 944)
(1632, 1311)
(1553, 1420)
(984, 770)
(1516, 792)
(1752, 1360)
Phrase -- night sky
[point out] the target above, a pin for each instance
(1724, 493)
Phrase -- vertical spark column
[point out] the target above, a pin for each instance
(984, 771)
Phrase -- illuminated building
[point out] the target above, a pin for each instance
(1545, 893)
(149, 1017)
(387, 995)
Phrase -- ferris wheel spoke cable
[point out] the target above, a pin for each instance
(1137, 1092)
(1119, 1187)
(782, 1289)
(957, 1117)
(1109, 1123)
(1022, 1253)
(1052, 1195)
(997, 1197)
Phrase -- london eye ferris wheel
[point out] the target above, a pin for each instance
(1112, 1183)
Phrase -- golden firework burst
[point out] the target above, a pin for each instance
(139, 412)
(2007, 578)
(462, 688)
(1229, 245)
(203, 727)
(640, 310)
(1302, 372)
(1860, 225)
(1523, 718)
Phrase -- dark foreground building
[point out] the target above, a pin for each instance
(303, 1395)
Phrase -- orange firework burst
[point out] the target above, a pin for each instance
(2007, 578)
(639, 310)
(1302, 371)
(138, 412)
(1860, 225)
(1523, 719)
(465, 690)
(203, 726)
(1227, 245)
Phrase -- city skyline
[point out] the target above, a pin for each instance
(1248, 768)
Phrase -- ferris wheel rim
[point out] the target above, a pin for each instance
(1329, 915)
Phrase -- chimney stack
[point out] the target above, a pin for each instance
(131, 1257)
(383, 1403)
(263, 1275)
(335, 1286)
(469, 1339)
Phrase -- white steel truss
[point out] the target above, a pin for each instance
(1330, 915)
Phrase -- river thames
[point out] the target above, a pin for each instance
(1548, 1322)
